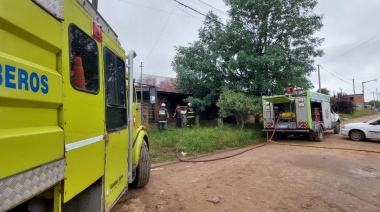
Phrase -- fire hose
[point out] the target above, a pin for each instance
(266, 143)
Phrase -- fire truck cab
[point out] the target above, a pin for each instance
(71, 137)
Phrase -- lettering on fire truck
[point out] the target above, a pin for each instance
(25, 80)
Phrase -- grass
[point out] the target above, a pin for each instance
(200, 140)
(209, 138)
(357, 113)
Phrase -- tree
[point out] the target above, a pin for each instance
(343, 104)
(198, 66)
(237, 105)
(325, 91)
(266, 46)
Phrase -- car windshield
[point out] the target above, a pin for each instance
(373, 120)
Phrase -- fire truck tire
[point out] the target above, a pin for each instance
(143, 168)
(337, 129)
(310, 136)
(357, 135)
(318, 136)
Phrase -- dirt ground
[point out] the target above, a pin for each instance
(270, 178)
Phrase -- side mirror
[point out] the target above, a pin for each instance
(153, 95)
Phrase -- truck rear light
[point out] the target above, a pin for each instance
(302, 124)
(269, 124)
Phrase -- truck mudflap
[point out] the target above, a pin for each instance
(23, 186)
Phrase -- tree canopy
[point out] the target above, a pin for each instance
(265, 47)
(238, 105)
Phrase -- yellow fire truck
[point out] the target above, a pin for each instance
(70, 133)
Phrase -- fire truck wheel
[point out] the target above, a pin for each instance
(310, 136)
(143, 168)
(337, 129)
(357, 135)
(318, 136)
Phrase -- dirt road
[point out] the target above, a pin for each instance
(270, 178)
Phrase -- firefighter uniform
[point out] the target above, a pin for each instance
(190, 115)
(163, 117)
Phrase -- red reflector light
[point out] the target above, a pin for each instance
(97, 31)
(269, 125)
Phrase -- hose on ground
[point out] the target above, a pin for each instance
(266, 143)
(228, 156)
(324, 147)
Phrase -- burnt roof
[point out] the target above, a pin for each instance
(162, 84)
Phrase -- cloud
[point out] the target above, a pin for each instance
(347, 24)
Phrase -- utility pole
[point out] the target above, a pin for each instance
(363, 89)
(374, 100)
(353, 85)
(377, 96)
(141, 91)
(319, 80)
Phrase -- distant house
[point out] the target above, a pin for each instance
(167, 93)
(358, 100)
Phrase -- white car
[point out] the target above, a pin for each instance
(363, 130)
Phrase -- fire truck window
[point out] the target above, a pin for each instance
(114, 71)
(84, 61)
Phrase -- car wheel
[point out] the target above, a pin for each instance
(337, 129)
(318, 136)
(143, 168)
(357, 135)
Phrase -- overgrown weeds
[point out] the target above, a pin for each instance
(201, 140)
(357, 113)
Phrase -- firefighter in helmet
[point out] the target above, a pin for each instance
(163, 117)
(190, 115)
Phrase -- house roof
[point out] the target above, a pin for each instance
(163, 84)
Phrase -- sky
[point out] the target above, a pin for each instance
(351, 31)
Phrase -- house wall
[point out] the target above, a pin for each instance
(358, 100)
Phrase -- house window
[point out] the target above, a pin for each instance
(84, 61)
(114, 76)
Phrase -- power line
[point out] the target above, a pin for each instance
(349, 51)
(167, 20)
(213, 7)
(198, 19)
(152, 8)
(335, 75)
(197, 11)
(335, 72)
(190, 8)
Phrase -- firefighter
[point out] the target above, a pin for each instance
(163, 117)
(190, 115)
(177, 114)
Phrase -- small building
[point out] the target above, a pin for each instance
(167, 93)
(358, 100)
